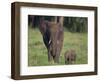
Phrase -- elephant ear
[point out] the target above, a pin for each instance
(42, 27)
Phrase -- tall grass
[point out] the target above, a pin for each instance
(37, 52)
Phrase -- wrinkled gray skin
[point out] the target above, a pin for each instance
(70, 57)
(53, 39)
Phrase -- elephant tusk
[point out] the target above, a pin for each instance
(49, 42)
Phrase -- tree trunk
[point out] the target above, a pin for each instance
(61, 19)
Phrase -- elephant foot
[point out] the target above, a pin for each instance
(51, 62)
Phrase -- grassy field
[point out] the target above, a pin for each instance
(37, 52)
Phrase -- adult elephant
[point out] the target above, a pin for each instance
(53, 35)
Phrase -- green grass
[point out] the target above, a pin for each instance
(37, 52)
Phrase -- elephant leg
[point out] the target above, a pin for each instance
(56, 59)
(49, 56)
(70, 61)
(57, 55)
(66, 62)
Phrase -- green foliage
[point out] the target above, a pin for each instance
(72, 24)
(37, 52)
(76, 24)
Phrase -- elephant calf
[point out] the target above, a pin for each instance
(70, 57)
